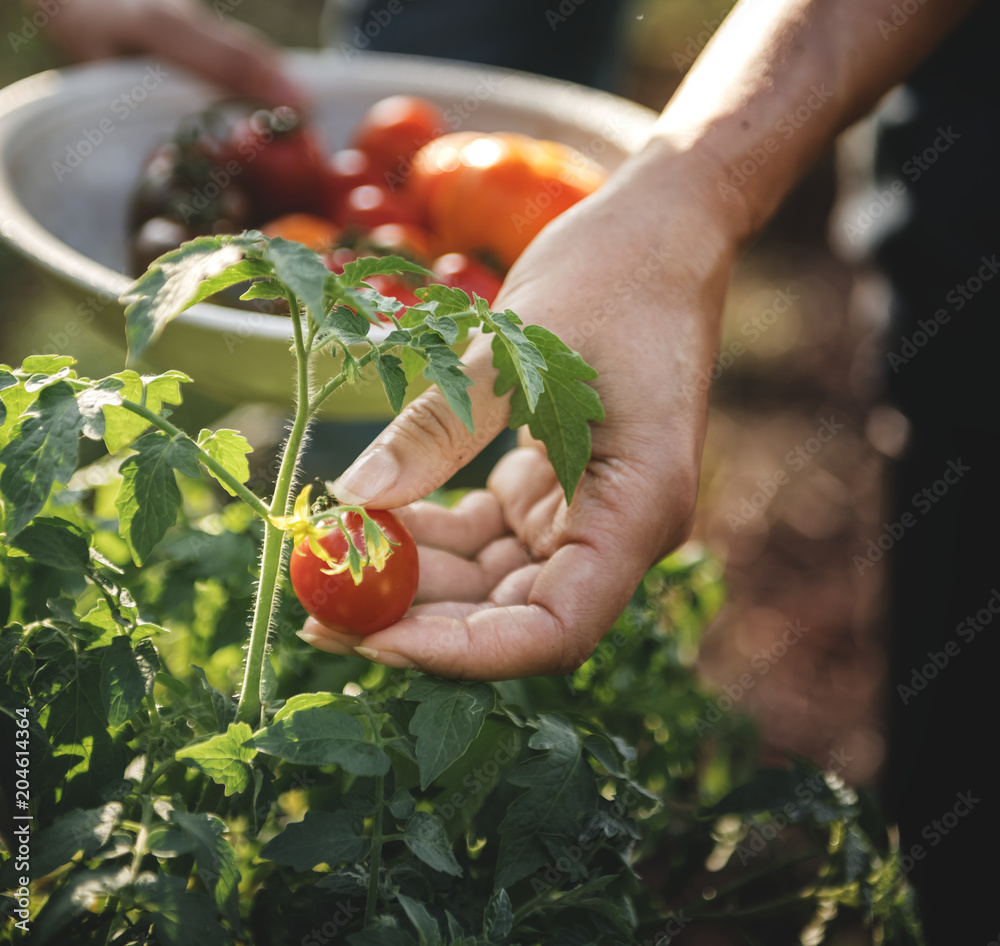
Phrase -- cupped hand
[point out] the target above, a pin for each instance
(513, 583)
(184, 32)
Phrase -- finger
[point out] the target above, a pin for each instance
(448, 577)
(465, 528)
(224, 52)
(427, 443)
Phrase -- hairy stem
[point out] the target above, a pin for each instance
(371, 906)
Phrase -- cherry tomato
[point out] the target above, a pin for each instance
(280, 160)
(317, 233)
(382, 597)
(400, 239)
(392, 130)
(347, 169)
(499, 190)
(463, 272)
(370, 206)
(432, 164)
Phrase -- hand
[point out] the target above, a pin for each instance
(183, 31)
(513, 583)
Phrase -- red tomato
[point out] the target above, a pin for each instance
(317, 233)
(344, 171)
(382, 597)
(396, 127)
(401, 239)
(496, 192)
(280, 159)
(336, 260)
(462, 272)
(370, 206)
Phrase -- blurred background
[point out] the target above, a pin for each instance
(798, 438)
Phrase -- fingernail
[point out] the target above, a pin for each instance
(370, 475)
(321, 642)
(386, 657)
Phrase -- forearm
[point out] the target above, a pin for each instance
(773, 88)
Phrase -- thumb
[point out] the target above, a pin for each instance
(427, 443)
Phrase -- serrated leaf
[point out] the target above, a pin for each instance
(264, 289)
(323, 735)
(522, 353)
(393, 378)
(498, 917)
(303, 701)
(563, 408)
(447, 720)
(214, 858)
(425, 835)
(302, 271)
(168, 841)
(35, 382)
(92, 403)
(360, 269)
(83, 830)
(15, 401)
(182, 917)
(148, 498)
(179, 279)
(428, 931)
(446, 327)
(56, 543)
(402, 804)
(42, 451)
(46, 364)
(446, 300)
(123, 684)
(560, 792)
(81, 892)
(229, 448)
(444, 368)
(121, 426)
(323, 837)
(345, 326)
(352, 881)
(224, 758)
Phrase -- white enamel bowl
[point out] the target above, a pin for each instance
(72, 143)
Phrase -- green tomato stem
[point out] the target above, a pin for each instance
(217, 468)
(249, 709)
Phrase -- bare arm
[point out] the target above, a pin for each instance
(512, 582)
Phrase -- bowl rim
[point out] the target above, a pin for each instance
(541, 96)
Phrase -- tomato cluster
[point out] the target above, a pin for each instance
(462, 204)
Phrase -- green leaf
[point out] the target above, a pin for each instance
(214, 858)
(84, 830)
(560, 416)
(121, 426)
(799, 792)
(225, 758)
(148, 498)
(428, 931)
(561, 791)
(92, 402)
(302, 701)
(323, 736)
(425, 835)
(498, 918)
(402, 804)
(517, 349)
(122, 682)
(229, 448)
(179, 279)
(393, 378)
(445, 300)
(302, 271)
(75, 897)
(15, 401)
(360, 269)
(56, 543)
(42, 451)
(46, 364)
(168, 841)
(444, 368)
(323, 837)
(447, 720)
(345, 326)
(446, 327)
(264, 289)
(182, 917)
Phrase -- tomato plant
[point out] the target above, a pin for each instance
(463, 272)
(327, 589)
(186, 770)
